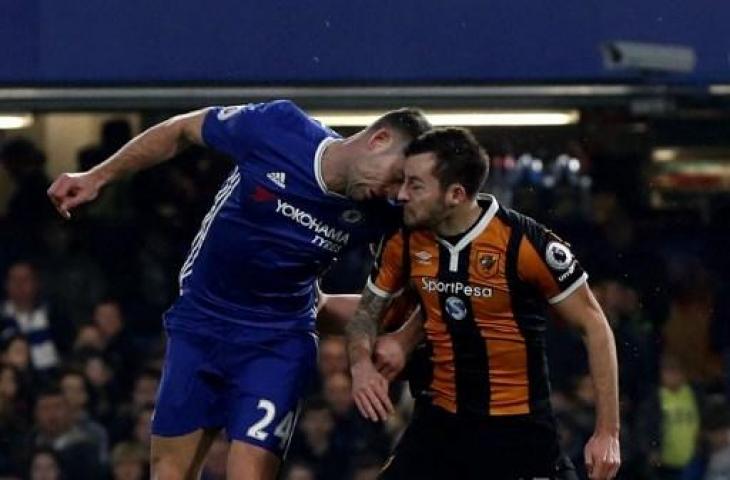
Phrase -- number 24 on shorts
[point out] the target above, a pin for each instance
(282, 431)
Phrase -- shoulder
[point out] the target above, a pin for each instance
(523, 223)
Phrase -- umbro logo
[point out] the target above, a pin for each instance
(423, 257)
(278, 178)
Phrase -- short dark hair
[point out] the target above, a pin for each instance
(459, 157)
(50, 390)
(409, 122)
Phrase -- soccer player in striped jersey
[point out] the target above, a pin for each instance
(484, 276)
(242, 343)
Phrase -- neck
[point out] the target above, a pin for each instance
(334, 165)
(461, 218)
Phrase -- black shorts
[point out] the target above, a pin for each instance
(440, 445)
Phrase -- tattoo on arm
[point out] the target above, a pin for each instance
(363, 328)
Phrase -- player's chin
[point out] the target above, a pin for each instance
(410, 220)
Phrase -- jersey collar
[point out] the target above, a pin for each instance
(473, 233)
(318, 166)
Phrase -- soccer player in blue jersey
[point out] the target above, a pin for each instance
(242, 344)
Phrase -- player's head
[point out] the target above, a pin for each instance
(444, 168)
(378, 169)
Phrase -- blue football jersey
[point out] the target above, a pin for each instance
(273, 227)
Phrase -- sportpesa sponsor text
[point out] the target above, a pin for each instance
(454, 288)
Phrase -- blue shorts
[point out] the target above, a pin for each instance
(251, 389)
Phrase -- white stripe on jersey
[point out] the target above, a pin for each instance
(220, 198)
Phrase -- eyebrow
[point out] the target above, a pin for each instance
(413, 178)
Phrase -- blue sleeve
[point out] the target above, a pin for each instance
(236, 130)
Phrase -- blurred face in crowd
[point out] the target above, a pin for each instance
(89, 336)
(424, 200)
(366, 473)
(317, 425)
(52, 415)
(8, 383)
(73, 387)
(584, 390)
(108, 318)
(145, 391)
(143, 426)
(44, 467)
(17, 354)
(300, 472)
(672, 375)
(128, 469)
(97, 371)
(337, 393)
(21, 286)
(332, 356)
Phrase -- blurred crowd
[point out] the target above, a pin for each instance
(81, 343)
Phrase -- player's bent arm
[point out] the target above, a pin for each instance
(411, 333)
(369, 387)
(362, 330)
(155, 145)
(581, 309)
(151, 147)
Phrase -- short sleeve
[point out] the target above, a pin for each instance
(547, 262)
(234, 130)
(386, 278)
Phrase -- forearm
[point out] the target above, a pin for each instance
(363, 329)
(153, 146)
(601, 348)
(411, 333)
(361, 333)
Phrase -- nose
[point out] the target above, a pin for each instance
(403, 193)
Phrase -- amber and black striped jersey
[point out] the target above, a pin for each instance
(484, 299)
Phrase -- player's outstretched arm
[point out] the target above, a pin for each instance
(153, 146)
(602, 454)
(369, 387)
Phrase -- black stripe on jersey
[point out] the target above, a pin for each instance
(419, 369)
(529, 311)
(471, 362)
(375, 269)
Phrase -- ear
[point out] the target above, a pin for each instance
(455, 195)
(380, 139)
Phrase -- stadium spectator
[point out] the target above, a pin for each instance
(28, 209)
(298, 470)
(352, 433)
(332, 356)
(669, 422)
(88, 339)
(129, 461)
(717, 442)
(118, 346)
(366, 468)
(104, 391)
(314, 443)
(25, 313)
(45, 464)
(55, 428)
(75, 390)
(13, 424)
